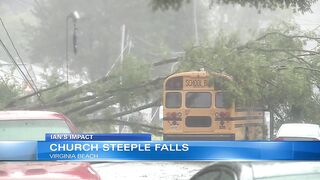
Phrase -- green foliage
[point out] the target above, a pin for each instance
(273, 70)
(104, 127)
(168, 4)
(137, 118)
(295, 5)
(8, 93)
(53, 80)
(133, 73)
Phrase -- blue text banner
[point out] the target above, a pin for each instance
(178, 150)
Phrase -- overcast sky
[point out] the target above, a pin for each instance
(309, 21)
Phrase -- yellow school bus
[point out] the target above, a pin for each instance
(193, 109)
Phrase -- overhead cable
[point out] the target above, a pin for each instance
(16, 64)
(23, 64)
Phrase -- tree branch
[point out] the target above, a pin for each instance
(146, 106)
(287, 36)
(10, 104)
(96, 107)
(154, 82)
(84, 105)
(166, 61)
(62, 103)
(121, 122)
(286, 50)
(80, 89)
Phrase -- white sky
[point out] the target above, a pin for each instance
(309, 21)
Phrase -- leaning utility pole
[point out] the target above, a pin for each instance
(195, 21)
(123, 34)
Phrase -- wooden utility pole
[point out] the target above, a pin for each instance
(271, 125)
(123, 34)
(195, 21)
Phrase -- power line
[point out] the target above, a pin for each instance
(17, 77)
(20, 71)
(116, 61)
(23, 64)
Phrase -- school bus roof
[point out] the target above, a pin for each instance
(200, 74)
(191, 74)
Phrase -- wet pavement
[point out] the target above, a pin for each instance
(154, 170)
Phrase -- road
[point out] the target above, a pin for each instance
(164, 170)
(154, 170)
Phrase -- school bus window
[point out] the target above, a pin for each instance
(198, 100)
(219, 100)
(173, 100)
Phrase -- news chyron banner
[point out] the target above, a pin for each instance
(123, 147)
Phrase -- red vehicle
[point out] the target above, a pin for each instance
(22, 126)
(32, 125)
(47, 170)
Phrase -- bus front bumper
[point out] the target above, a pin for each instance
(199, 137)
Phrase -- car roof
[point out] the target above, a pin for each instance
(14, 115)
(299, 124)
(299, 130)
(278, 169)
